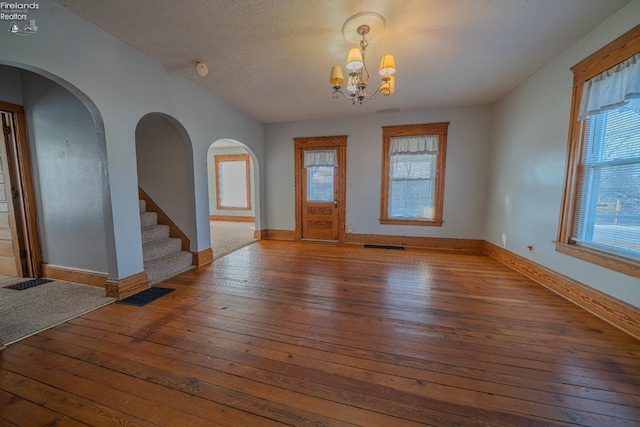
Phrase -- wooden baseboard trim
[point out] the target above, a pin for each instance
(618, 313)
(466, 245)
(202, 258)
(76, 275)
(257, 234)
(232, 218)
(288, 235)
(122, 288)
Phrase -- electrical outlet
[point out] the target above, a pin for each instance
(504, 240)
(349, 228)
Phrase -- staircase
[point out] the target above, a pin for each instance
(163, 255)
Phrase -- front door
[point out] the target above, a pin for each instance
(320, 180)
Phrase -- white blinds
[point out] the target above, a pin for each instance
(320, 158)
(421, 144)
(611, 88)
(609, 210)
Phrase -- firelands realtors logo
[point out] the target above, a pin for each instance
(17, 14)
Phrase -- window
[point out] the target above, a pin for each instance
(233, 189)
(600, 219)
(319, 165)
(413, 161)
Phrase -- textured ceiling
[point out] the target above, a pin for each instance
(271, 58)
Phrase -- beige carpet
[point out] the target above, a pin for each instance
(24, 313)
(228, 236)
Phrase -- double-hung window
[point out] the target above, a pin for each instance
(233, 188)
(413, 174)
(601, 208)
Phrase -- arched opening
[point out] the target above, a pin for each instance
(165, 180)
(233, 196)
(68, 167)
(56, 163)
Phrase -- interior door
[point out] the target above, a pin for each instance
(11, 241)
(320, 185)
(19, 242)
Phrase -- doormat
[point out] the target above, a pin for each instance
(398, 248)
(145, 297)
(21, 286)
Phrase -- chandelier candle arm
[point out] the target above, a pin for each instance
(357, 82)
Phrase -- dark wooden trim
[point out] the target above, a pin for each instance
(163, 218)
(202, 258)
(122, 288)
(288, 235)
(76, 275)
(466, 245)
(618, 313)
(232, 218)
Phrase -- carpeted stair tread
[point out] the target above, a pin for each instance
(142, 205)
(160, 248)
(148, 219)
(154, 233)
(168, 266)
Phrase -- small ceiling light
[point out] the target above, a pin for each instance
(363, 23)
(201, 68)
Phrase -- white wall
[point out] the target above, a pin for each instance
(528, 155)
(466, 169)
(121, 85)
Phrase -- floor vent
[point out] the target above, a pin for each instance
(397, 248)
(21, 286)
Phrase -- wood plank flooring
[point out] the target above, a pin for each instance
(320, 334)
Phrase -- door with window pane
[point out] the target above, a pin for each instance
(319, 179)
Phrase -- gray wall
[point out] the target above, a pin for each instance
(528, 157)
(68, 164)
(161, 156)
(213, 209)
(465, 181)
(10, 89)
(69, 168)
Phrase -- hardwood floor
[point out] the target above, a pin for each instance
(318, 334)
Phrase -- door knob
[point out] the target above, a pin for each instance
(335, 203)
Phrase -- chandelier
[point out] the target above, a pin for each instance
(363, 24)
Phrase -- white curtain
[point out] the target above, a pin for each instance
(421, 144)
(611, 88)
(320, 158)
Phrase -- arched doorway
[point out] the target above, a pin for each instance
(67, 162)
(233, 196)
(165, 180)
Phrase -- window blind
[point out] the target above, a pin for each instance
(608, 215)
